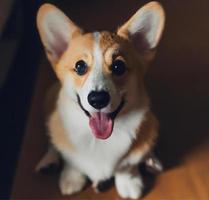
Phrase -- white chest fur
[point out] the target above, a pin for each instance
(96, 158)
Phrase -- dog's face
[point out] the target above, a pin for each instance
(102, 71)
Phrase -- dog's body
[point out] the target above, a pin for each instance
(102, 124)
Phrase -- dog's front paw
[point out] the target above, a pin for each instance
(71, 181)
(129, 186)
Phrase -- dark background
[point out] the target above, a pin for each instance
(19, 53)
(178, 79)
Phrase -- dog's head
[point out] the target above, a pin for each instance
(102, 71)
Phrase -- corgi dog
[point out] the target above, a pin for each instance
(101, 124)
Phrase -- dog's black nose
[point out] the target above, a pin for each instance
(98, 99)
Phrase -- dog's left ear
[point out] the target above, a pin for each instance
(56, 31)
(144, 29)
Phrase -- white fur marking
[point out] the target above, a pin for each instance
(96, 80)
(128, 186)
(97, 54)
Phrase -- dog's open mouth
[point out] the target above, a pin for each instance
(102, 123)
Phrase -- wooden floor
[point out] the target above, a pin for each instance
(178, 84)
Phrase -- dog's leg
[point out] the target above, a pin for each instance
(129, 183)
(71, 180)
(51, 158)
(153, 164)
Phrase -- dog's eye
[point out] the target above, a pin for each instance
(81, 67)
(118, 67)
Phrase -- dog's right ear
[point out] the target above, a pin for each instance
(56, 31)
(144, 29)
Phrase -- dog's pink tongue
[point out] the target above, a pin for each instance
(101, 125)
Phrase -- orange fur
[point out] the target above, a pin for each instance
(58, 136)
(80, 49)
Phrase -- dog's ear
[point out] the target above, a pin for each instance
(56, 31)
(144, 28)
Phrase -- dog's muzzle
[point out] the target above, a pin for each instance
(112, 115)
(102, 123)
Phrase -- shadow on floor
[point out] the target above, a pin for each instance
(183, 127)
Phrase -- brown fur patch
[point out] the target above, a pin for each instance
(110, 46)
(107, 40)
(146, 135)
(115, 47)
